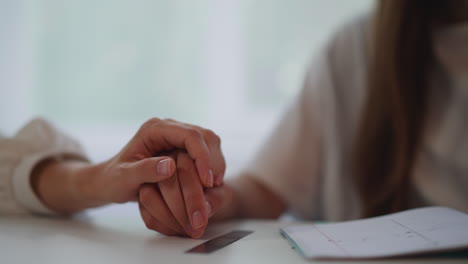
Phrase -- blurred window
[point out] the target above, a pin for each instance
(99, 69)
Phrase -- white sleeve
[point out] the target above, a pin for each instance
(289, 162)
(35, 142)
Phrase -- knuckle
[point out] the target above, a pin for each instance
(151, 121)
(212, 137)
(183, 171)
(145, 196)
(185, 166)
(194, 133)
(169, 120)
(183, 158)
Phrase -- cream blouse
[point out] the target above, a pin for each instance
(35, 142)
(306, 160)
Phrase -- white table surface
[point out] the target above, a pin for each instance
(117, 235)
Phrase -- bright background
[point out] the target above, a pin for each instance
(99, 68)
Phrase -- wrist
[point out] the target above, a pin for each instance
(65, 186)
(87, 183)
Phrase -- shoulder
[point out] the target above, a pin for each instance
(347, 50)
(339, 97)
(352, 33)
(339, 69)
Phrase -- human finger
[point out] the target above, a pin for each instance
(149, 170)
(217, 157)
(172, 195)
(154, 203)
(154, 224)
(192, 191)
(166, 134)
(218, 163)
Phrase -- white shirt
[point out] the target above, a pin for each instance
(306, 160)
(35, 142)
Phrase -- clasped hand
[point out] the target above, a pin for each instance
(176, 172)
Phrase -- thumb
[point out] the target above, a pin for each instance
(153, 170)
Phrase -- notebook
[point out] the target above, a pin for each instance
(416, 231)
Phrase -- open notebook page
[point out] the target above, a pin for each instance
(409, 232)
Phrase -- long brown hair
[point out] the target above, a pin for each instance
(393, 114)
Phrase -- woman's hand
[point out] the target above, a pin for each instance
(179, 205)
(70, 186)
(157, 137)
(121, 177)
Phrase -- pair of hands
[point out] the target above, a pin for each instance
(174, 170)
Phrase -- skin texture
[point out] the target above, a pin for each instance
(173, 199)
(242, 197)
(70, 186)
(176, 206)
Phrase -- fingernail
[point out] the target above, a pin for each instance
(164, 167)
(194, 233)
(210, 179)
(197, 220)
(208, 207)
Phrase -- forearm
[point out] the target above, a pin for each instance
(251, 199)
(65, 186)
